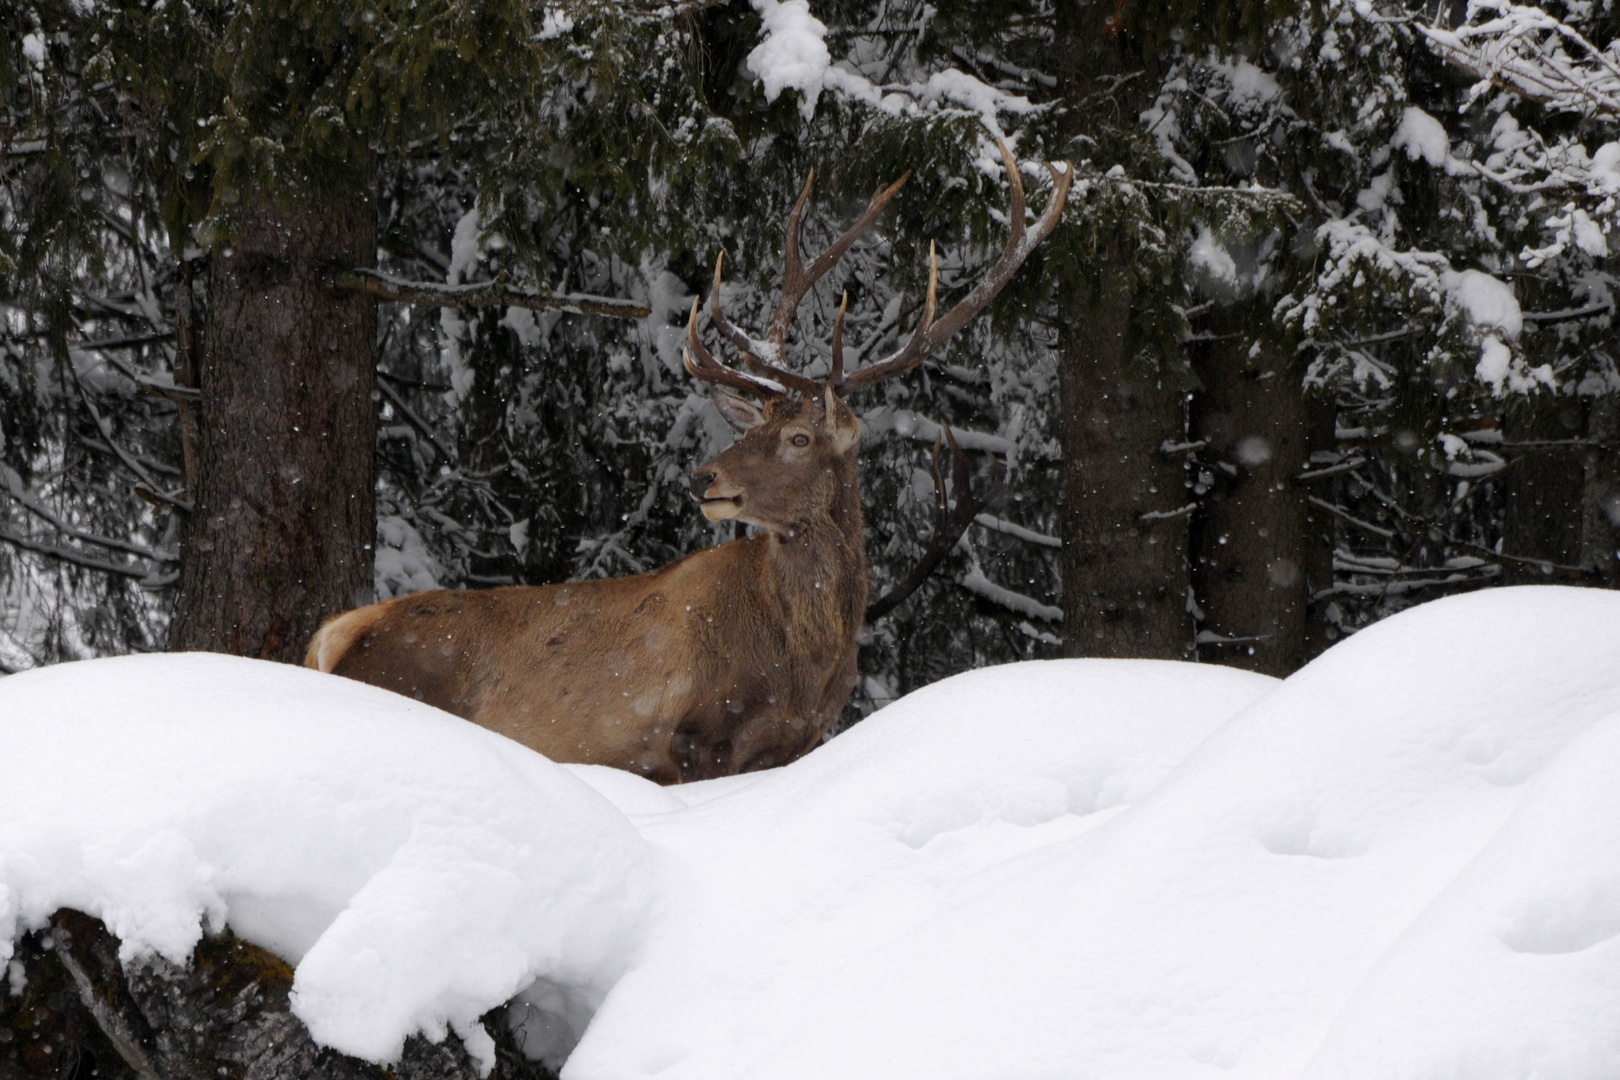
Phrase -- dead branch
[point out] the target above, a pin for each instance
(482, 294)
(951, 519)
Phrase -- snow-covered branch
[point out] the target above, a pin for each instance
(976, 583)
(1537, 56)
(77, 558)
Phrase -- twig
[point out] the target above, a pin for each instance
(1167, 515)
(995, 524)
(112, 1025)
(412, 419)
(28, 503)
(1349, 518)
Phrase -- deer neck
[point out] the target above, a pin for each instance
(818, 565)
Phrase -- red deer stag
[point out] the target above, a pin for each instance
(739, 657)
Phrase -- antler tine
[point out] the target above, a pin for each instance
(796, 281)
(740, 338)
(792, 268)
(835, 377)
(1015, 185)
(750, 348)
(930, 336)
(701, 365)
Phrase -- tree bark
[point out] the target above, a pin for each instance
(1124, 559)
(282, 525)
(1600, 507)
(1542, 517)
(1259, 551)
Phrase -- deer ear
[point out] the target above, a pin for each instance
(842, 426)
(737, 410)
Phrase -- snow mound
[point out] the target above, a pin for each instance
(1403, 862)
(417, 869)
(786, 880)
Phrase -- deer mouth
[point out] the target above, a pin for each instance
(721, 509)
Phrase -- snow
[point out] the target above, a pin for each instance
(33, 50)
(1422, 136)
(1212, 265)
(792, 53)
(403, 563)
(1249, 86)
(418, 870)
(463, 257)
(1401, 862)
(1495, 363)
(809, 870)
(1487, 301)
(1606, 166)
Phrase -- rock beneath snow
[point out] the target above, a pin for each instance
(73, 1009)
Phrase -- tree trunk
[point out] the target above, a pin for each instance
(1124, 535)
(1259, 552)
(1600, 510)
(1542, 517)
(282, 526)
(1124, 560)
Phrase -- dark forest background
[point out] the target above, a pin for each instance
(306, 304)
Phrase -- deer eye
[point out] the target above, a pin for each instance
(801, 439)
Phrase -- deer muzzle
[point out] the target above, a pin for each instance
(718, 503)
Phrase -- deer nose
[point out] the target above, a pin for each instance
(701, 483)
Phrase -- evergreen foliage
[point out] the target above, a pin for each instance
(1289, 170)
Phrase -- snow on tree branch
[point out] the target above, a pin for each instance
(1530, 52)
(793, 55)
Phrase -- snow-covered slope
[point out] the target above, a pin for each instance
(1402, 862)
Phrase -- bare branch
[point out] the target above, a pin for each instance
(68, 555)
(409, 414)
(951, 519)
(482, 294)
(39, 510)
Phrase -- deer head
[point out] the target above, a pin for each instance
(794, 463)
(797, 453)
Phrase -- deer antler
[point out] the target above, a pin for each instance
(753, 349)
(763, 358)
(701, 365)
(766, 377)
(930, 335)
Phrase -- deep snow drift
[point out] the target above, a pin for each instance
(417, 868)
(1404, 861)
